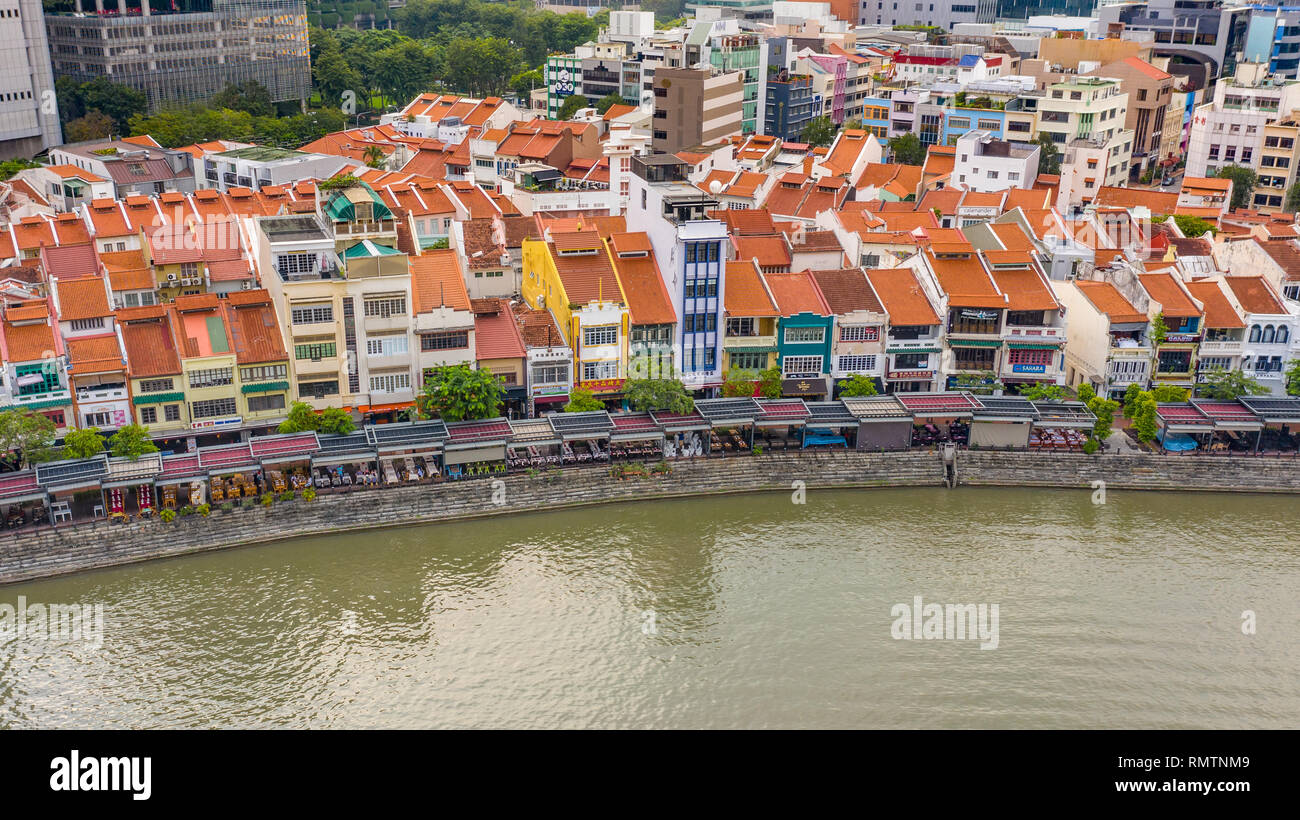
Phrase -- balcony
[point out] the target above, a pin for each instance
(1043, 333)
(743, 342)
(314, 328)
(397, 321)
(105, 393)
(1229, 347)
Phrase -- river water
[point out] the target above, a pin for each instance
(738, 611)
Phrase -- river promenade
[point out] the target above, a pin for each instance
(55, 551)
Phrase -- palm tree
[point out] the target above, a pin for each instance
(373, 156)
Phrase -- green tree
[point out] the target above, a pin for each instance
(818, 131)
(1243, 183)
(1169, 394)
(858, 385)
(131, 441)
(1231, 384)
(1144, 417)
(582, 400)
(738, 384)
(658, 394)
(336, 420)
(300, 419)
(28, 435)
(1049, 156)
(1159, 330)
(117, 101)
(1130, 398)
(1292, 202)
(373, 156)
(12, 166)
(524, 82)
(251, 97)
(769, 383)
(1293, 378)
(1043, 392)
(570, 106)
(907, 149)
(461, 393)
(1085, 392)
(94, 125)
(83, 442)
(609, 101)
(1104, 409)
(1192, 225)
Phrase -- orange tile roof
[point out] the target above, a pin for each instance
(964, 279)
(1165, 289)
(643, 285)
(127, 270)
(1146, 68)
(744, 291)
(1025, 289)
(95, 354)
(768, 251)
(151, 349)
(436, 280)
(28, 342)
(496, 332)
(73, 172)
(846, 290)
(1219, 312)
(796, 293)
(902, 297)
(254, 328)
(1159, 202)
(1107, 299)
(1254, 294)
(82, 299)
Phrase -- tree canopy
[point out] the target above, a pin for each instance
(1243, 183)
(1230, 384)
(908, 149)
(26, 434)
(658, 394)
(461, 393)
(818, 131)
(582, 400)
(84, 442)
(858, 385)
(131, 441)
(1049, 156)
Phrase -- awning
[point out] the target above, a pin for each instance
(264, 387)
(383, 408)
(34, 495)
(343, 458)
(40, 405)
(974, 343)
(1034, 345)
(916, 349)
(493, 452)
(154, 398)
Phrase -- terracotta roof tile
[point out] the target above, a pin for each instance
(95, 354)
(902, 297)
(1219, 312)
(846, 290)
(1165, 289)
(436, 280)
(1254, 294)
(1107, 299)
(643, 286)
(150, 344)
(82, 299)
(745, 293)
(796, 293)
(496, 334)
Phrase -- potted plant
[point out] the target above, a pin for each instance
(309, 494)
(267, 499)
(167, 516)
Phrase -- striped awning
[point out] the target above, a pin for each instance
(1034, 345)
(154, 398)
(264, 387)
(973, 343)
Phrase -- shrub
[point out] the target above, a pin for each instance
(309, 494)
(204, 510)
(287, 495)
(167, 516)
(229, 506)
(758, 449)
(267, 499)
(187, 510)
(1091, 446)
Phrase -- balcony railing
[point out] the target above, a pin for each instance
(1045, 332)
(1223, 346)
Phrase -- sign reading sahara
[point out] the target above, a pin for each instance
(603, 385)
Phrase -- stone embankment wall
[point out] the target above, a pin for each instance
(53, 551)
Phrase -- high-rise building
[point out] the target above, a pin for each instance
(694, 106)
(29, 116)
(186, 52)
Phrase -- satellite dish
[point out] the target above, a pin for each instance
(715, 187)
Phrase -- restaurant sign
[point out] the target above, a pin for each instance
(803, 387)
(1181, 338)
(910, 374)
(1028, 368)
(216, 424)
(971, 313)
(604, 385)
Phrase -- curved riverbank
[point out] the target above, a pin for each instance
(59, 551)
